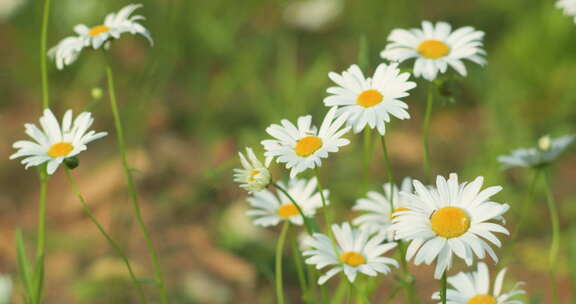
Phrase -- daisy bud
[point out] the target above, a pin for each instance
(96, 93)
(544, 143)
(72, 162)
(254, 175)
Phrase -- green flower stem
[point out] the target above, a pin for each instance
(367, 156)
(555, 246)
(38, 281)
(408, 278)
(327, 213)
(444, 286)
(389, 172)
(44, 54)
(111, 241)
(307, 223)
(132, 188)
(297, 255)
(279, 250)
(426, 133)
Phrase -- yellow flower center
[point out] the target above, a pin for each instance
(450, 222)
(369, 98)
(482, 299)
(288, 210)
(352, 258)
(433, 49)
(394, 215)
(253, 174)
(308, 145)
(60, 149)
(99, 29)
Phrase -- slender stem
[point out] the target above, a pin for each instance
(327, 213)
(367, 156)
(408, 278)
(443, 287)
(279, 250)
(111, 241)
(426, 133)
(44, 54)
(555, 246)
(392, 295)
(389, 172)
(41, 238)
(297, 255)
(132, 188)
(304, 217)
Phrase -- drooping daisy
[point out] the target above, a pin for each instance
(546, 152)
(355, 251)
(370, 101)
(115, 24)
(568, 7)
(269, 209)
(377, 216)
(449, 219)
(254, 175)
(474, 288)
(54, 142)
(301, 146)
(435, 48)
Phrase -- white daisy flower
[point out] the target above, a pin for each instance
(474, 288)
(435, 48)
(302, 147)
(448, 219)
(370, 101)
(377, 216)
(115, 24)
(568, 7)
(254, 175)
(54, 142)
(5, 289)
(355, 251)
(547, 151)
(66, 51)
(269, 209)
(312, 15)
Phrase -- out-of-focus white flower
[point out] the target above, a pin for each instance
(435, 48)
(568, 7)
(56, 142)
(369, 102)
(377, 208)
(450, 219)
(312, 15)
(474, 288)
(9, 8)
(5, 289)
(254, 175)
(355, 251)
(303, 146)
(548, 150)
(115, 24)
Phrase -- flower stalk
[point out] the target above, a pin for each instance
(555, 245)
(279, 251)
(132, 188)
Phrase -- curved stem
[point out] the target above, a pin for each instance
(443, 287)
(279, 250)
(426, 133)
(367, 156)
(327, 214)
(111, 241)
(44, 54)
(524, 207)
(555, 246)
(41, 238)
(304, 217)
(132, 188)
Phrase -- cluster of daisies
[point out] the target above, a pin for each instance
(439, 223)
(54, 142)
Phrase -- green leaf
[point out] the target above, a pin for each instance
(23, 266)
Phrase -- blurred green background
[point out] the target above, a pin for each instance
(219, 73)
